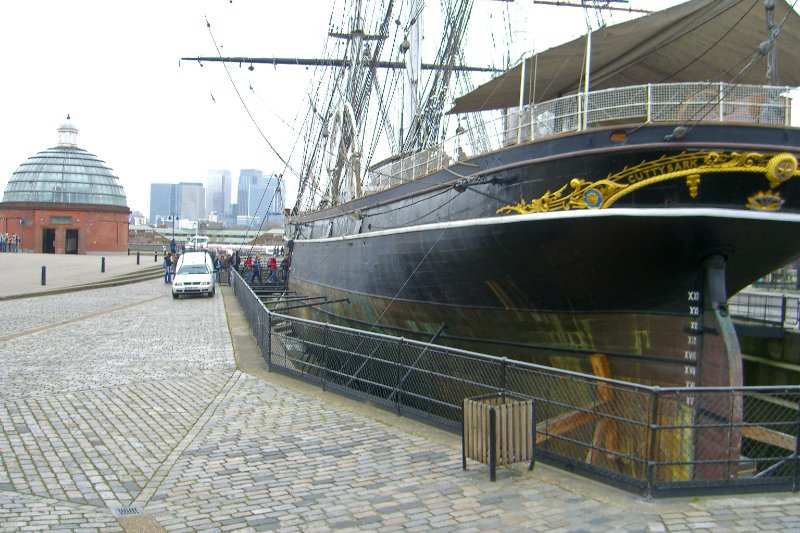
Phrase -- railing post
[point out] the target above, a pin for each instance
(398, 379)
(325, 329)
(533, 434)
(649, 102)
(259, 332)
(269, 339)
(651, 459)
(796, 481)
(783, 310)
(521, 101)
(492, 444)
(503, 374)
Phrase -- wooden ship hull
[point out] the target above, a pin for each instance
(583, 244)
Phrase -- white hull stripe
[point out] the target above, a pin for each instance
(729, 214)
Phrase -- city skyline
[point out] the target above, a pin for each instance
(258, 197)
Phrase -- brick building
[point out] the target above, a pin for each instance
(65, 200)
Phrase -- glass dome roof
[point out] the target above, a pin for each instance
(65, 174)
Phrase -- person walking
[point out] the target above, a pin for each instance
(273, 269)
(248, 267)
(257, 271)
(285, 263)
(167, 264)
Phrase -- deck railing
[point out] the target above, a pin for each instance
(685, 103)
(646, 439)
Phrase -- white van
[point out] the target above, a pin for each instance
(197, 243)
(194, 274)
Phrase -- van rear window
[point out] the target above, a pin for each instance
(193, 269)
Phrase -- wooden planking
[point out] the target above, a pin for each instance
(564, 423)
(770, 436)
(513, 429)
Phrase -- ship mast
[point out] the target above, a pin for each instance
(340, 119)
(411, 48)
(772, 54)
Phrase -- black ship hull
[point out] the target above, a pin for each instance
(575, 246)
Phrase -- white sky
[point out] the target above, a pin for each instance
(114, 67)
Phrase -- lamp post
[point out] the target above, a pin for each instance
(173, 246)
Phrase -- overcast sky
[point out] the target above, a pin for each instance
(114, 67)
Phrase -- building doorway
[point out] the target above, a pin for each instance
(71, 245)
(48, 240)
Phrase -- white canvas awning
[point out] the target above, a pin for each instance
(699, 40)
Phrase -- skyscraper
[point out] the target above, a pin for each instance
(218, 191)
(266, 199)
(163, 201)
(191, 201)
(247, 177)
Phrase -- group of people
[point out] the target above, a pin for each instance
(169, 263)
(251, 268)
(10, 243)
(254, 266)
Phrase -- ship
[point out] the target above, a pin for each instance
(594, 208)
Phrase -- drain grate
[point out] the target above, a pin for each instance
(128, 511)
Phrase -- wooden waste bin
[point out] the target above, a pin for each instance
(498, 429)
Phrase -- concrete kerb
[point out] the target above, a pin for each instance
(21, 273)
(249, 360)
(125, 279)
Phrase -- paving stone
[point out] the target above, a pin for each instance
(112, 406)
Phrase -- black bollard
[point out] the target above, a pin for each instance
(103, 264)
(129, 251)
(137, 258)
(44, 275)
(155, 257)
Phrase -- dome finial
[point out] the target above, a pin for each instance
(67, 134)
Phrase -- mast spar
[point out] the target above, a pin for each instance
(772, 54)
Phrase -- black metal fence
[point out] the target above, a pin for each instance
(781, 310)
(646, 439)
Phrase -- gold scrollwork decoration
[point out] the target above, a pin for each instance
(765, 201)
(693, 182)
(780, 168)
(600, 194)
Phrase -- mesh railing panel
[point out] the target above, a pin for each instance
(733, 436)
(667, 102)
(776, 309)
(617, 104)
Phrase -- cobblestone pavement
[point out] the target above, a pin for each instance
(120, 404)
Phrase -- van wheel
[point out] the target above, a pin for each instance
(211, 294)
(174, 295)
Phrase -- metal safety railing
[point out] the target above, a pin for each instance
(685, 103)
(781, 310)
(647, 439)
